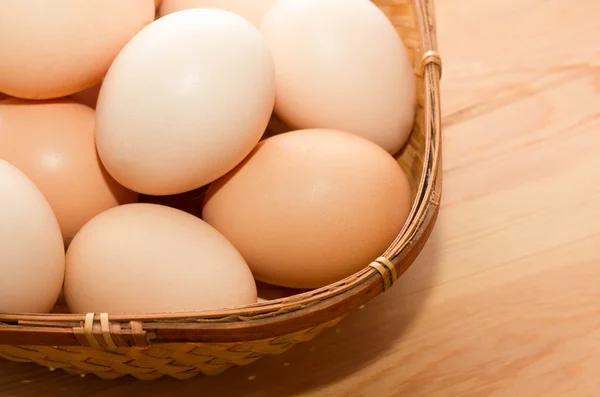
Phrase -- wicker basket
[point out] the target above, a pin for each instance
(182, 345)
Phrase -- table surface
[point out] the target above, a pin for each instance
(505, 298)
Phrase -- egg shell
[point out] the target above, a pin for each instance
(32, 256)
(52, 142)
(185, 101)
(340, 64)
(141, 258)
(252, 10)
(308, 208)
(54, 48)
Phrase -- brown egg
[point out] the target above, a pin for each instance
(308, 208)
(52, 142)
(54, 48)
(141, 258)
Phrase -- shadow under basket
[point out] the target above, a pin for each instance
(182, 345)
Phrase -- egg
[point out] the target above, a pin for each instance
(32, 256)
(340, 64)
(185, 101)
(141, 258)
(307, 208)
(52, 142)
(54, 48)
(252, 10)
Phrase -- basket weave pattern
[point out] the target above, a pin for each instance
(182, 345)
(178, 360)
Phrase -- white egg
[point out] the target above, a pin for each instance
(340, 64)
(185, 101)
(32, 256)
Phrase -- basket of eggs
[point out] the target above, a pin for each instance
(195, 186)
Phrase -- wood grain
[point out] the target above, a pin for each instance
(504, 300)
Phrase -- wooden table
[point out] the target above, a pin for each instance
(505, 299)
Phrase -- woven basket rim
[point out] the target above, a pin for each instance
(418, 225)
